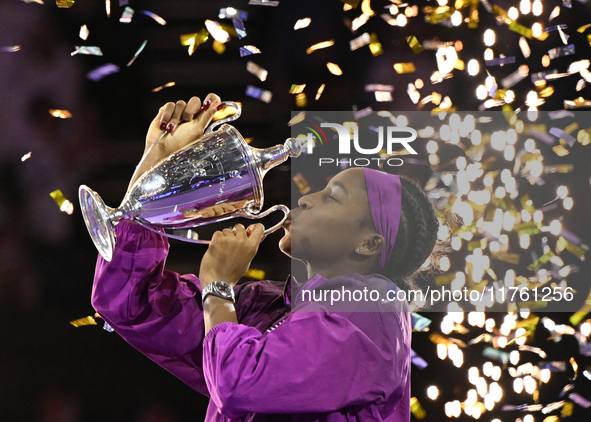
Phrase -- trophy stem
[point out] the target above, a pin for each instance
(97, 217)
(273, 156)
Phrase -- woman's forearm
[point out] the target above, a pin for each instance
(217, 310)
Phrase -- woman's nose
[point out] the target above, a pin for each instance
(305, 202)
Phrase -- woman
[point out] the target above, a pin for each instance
(268, 354)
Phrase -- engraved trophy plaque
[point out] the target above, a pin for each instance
(219, 168)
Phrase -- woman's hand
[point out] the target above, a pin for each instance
(184, 122)
(230, 253)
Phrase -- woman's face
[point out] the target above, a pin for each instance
(326, 226)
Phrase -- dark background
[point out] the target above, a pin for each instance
(51, 371)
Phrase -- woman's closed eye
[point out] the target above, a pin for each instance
(329, 196)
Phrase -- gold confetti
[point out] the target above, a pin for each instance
(65, 205)
(352, 3)
(319, 92)
(62, 114)
(520, 29)
(302, 23)
(64, 4)
(416, 409)
(167, 85)
(320, 45)
(546, 92)
(218, 47)
(26, 156)
(256, 274)
(302, 183)
(298, 118)
(296, 89)
(582, 29)
(194, 40)
(301, 100)
(225, 112)
(511, 258)
(578, 316)
(414, 44)
(583, 137)
(83, 321)
(108, 7)
(334, 69)
(374, 45)
(563, 244)
(567, 409)
(560, 150)
(401, 68)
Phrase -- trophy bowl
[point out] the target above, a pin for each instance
(217, 170)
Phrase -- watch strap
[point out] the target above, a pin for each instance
(220, 289)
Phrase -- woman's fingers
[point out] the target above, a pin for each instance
(191, 109)
(177, 114)
(167, 110)
(210, 105)
(255, 232)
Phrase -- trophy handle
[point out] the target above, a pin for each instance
(227, 119)
(240, 213)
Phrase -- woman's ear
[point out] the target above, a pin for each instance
(373, 244)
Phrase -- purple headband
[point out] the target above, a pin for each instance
(384, 193)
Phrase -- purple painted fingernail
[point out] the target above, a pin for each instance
(170, 127)
(206, 105)
(162, 125)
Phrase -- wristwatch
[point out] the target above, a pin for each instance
(219, 289)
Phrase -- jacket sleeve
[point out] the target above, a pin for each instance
(312, 362)
(156, 311)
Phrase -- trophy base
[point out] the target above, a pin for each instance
(97, 218)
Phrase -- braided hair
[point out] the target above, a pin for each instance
(417, 235)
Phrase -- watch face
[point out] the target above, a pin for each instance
(224, 288)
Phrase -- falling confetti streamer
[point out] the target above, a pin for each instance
(26, 156)
(334, 69)
(64, 4)
(319, 92)
(100, 72)
(259, 93)
(127, 15)
(11, 49)
(247, 50)
(64, 204)
(257, 70)
(84, 32)
(90, 51)
(154, 16)
(232, 13)
(302, 23)
(61, 114)
(83, 322)
(239, 27)
(167, 85)
(137, 53)
(402, 68)
(263, 3)
(321, 45)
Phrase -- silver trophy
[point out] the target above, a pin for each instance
(218, 168)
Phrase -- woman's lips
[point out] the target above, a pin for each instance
(287, 220)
